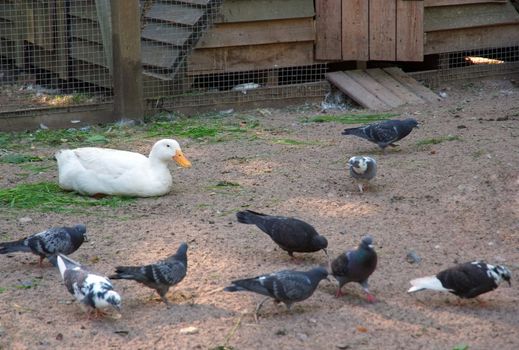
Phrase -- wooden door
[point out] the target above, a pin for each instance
(363, 30)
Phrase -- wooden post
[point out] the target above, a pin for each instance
(127, 69)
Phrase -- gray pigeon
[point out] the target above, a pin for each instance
(362, 169)
(384, 133)
(94, 291)
(290, 234)
(47, 244)
(467, 280)
(285, 286)
(356, 266)
(159, 276)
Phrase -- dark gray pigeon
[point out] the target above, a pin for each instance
(356, 266)
(384, 133)
(467, 280)
(290, 234)
(91, 290)
(160, 275)
(362, 169)
(285, 286)
(47, 244)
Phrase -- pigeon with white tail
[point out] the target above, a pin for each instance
(93, 291)
(467, 280)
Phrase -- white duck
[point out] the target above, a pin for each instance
(97, 171)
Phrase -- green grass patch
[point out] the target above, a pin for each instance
(461, 347)
(47, 196)
(350, 118)
(15, 158)
(2, 289)
(215, 129)
(292, 142)
(437, 140)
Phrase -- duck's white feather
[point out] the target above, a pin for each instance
(92, 170)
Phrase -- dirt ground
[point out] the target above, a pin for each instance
(449, 202)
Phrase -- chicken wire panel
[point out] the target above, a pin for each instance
(52, 54)
(477, 63)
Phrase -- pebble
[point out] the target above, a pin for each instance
(302, 336)
(189, 330)
(24, 220)
(412, 257)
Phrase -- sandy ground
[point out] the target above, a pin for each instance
(449, 202)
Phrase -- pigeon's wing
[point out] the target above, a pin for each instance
(287, 286)
(385, 133)
(56, 240)
(74, 280)
(165, 273)
(340, 265)
(467, 280)
(292, 234)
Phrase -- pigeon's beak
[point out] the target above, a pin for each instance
(85, 238)
(509, 283)
(325, 252)
(181, 159)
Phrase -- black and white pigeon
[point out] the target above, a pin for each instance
(93, 291)
(467, 280)
(384, 133)
(362, 169)
(285, 286)
(290, 234)
(356, 266)
(159, 276)
(47, 244)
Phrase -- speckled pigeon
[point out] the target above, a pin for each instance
(48, 243)
(91, 290)
(285, 286)
(160, 275)
(356, 266)
(290, 234)
(467, 280)
(384, 133)
(362, 169)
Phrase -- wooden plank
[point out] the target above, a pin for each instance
(467, 16)
(245, 58)
(373, 86)
(409, 30)
(356, 91)
(258, 33)
(158, 55)
(382, 30)
(88, 51)
(104, 17)
(177, 14)
(195, 2)
(263, 10)
(61, 43)
(165, 33)
(394, 86)
(85, 29)
(328, 30)
(93, 74)
(83, 9)
(471, 38)
(431, 3)
(355, 30)
(412, 84)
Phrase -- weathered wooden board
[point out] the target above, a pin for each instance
(194, 2)
(467, 16)
(83, 9)
(409, 30)
(380, 91)
(85, 29)
(356, 91)
(177, 14)
(382, 30)
(7, 30)
(165, 33)
(471, 38)
(394, 86)
(261, 10)
(161, 56)
(91, 73)
(258, 33)
(431, 3)
(8, 11)
(328, 30)
(355, 30)
(412, 84)
(88, 51)
(244, 58)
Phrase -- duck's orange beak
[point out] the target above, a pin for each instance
(181, 159)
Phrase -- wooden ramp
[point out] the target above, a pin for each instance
(381, 88)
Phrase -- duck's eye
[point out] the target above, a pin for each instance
(168, 146)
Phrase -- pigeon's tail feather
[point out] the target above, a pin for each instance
(429, 282)
(249, 217)
(11, 247)
(61, 266)
(354, 131)
(127, 273)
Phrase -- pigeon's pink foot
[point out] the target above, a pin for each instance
(371, 298)
(339, 293)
